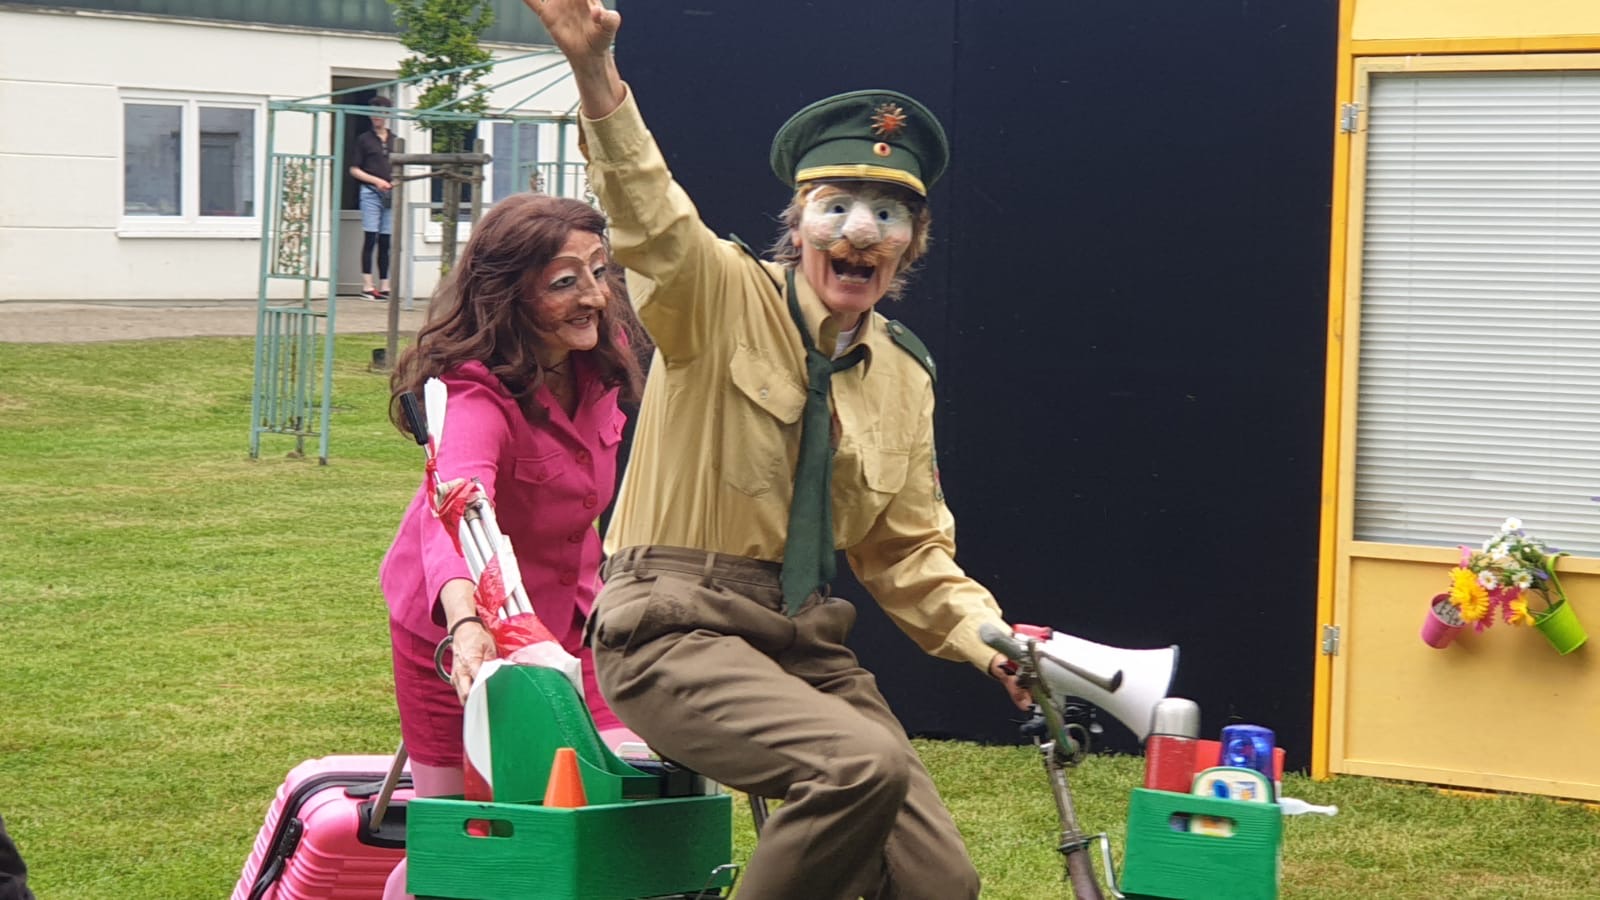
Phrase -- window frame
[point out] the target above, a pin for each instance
(1354, 425)
(550, 135)
(189, 222)
(502, 156)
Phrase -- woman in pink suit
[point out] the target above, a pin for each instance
(533, 335)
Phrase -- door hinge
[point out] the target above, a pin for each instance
(1330, 640)
(1349, 117)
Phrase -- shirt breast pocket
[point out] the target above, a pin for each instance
(541, 469)
(611, 432)
(885, 469)
(760, 414)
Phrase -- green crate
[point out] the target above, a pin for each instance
(611, 851)
(1171, 864)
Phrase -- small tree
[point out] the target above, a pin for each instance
(442, 36)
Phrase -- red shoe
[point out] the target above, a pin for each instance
(373, 294)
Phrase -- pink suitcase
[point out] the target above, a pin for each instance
(316, 842)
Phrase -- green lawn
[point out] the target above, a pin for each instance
(183, 624)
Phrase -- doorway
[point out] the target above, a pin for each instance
(352, 90)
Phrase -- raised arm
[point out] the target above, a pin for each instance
(655, 229)
(584, 30)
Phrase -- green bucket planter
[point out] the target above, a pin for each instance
(1560, 626)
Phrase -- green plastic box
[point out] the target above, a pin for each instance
(611, 851)
(1167, 861)
(639, 835)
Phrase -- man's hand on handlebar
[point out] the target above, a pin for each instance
(1005, 672)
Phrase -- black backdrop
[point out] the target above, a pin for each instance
(1126, 296)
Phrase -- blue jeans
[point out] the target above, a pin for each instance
(375, 215)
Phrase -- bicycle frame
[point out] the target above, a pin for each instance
(1062, 746)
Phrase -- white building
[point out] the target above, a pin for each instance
(134, 142)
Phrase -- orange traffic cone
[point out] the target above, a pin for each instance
(565, 787)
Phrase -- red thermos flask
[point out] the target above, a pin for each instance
(1169, 750)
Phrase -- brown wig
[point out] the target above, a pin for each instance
(482, 310)
(784, 250)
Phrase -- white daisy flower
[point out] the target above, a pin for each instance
(1512, 524)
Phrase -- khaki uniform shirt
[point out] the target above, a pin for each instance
(719, 430)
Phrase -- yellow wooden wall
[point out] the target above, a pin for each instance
(1411, 20)
(1500, 710)
(1497, 710)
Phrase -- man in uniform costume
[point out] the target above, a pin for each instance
(783, 418)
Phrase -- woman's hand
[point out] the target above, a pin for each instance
(1001, 670)
(471, 647)
(470, 643)
(582, 29)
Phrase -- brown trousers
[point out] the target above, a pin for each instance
(694, 653)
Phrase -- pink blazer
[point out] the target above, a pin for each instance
(548, 484)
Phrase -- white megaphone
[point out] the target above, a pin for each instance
(1125, 683)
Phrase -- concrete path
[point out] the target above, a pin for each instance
(32, 322)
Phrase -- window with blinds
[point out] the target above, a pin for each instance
(1479, 379)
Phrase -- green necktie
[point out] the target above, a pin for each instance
(808, 559)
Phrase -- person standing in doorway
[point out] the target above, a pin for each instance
(371, 168)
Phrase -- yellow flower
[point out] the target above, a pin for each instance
(1519, 612)
(1468, 595)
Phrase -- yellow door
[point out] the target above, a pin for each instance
(1464, 387)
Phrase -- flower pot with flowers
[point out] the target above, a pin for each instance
(1443, 623)
(1500, 579)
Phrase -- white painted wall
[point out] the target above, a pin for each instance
(62, 79)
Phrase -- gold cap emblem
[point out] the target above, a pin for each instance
(888, 120)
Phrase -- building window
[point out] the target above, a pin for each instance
(227, 161)
(190, 166)
(151, 149)
(537, 155)
(516, 154)
(1479, 390)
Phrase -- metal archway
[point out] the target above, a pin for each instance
(292, 387)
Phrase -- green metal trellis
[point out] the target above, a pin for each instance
(292, 389)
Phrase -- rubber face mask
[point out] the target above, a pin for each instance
(570, 291)
(851, 238)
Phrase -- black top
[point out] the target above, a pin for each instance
(372, 156)
(13, 873)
